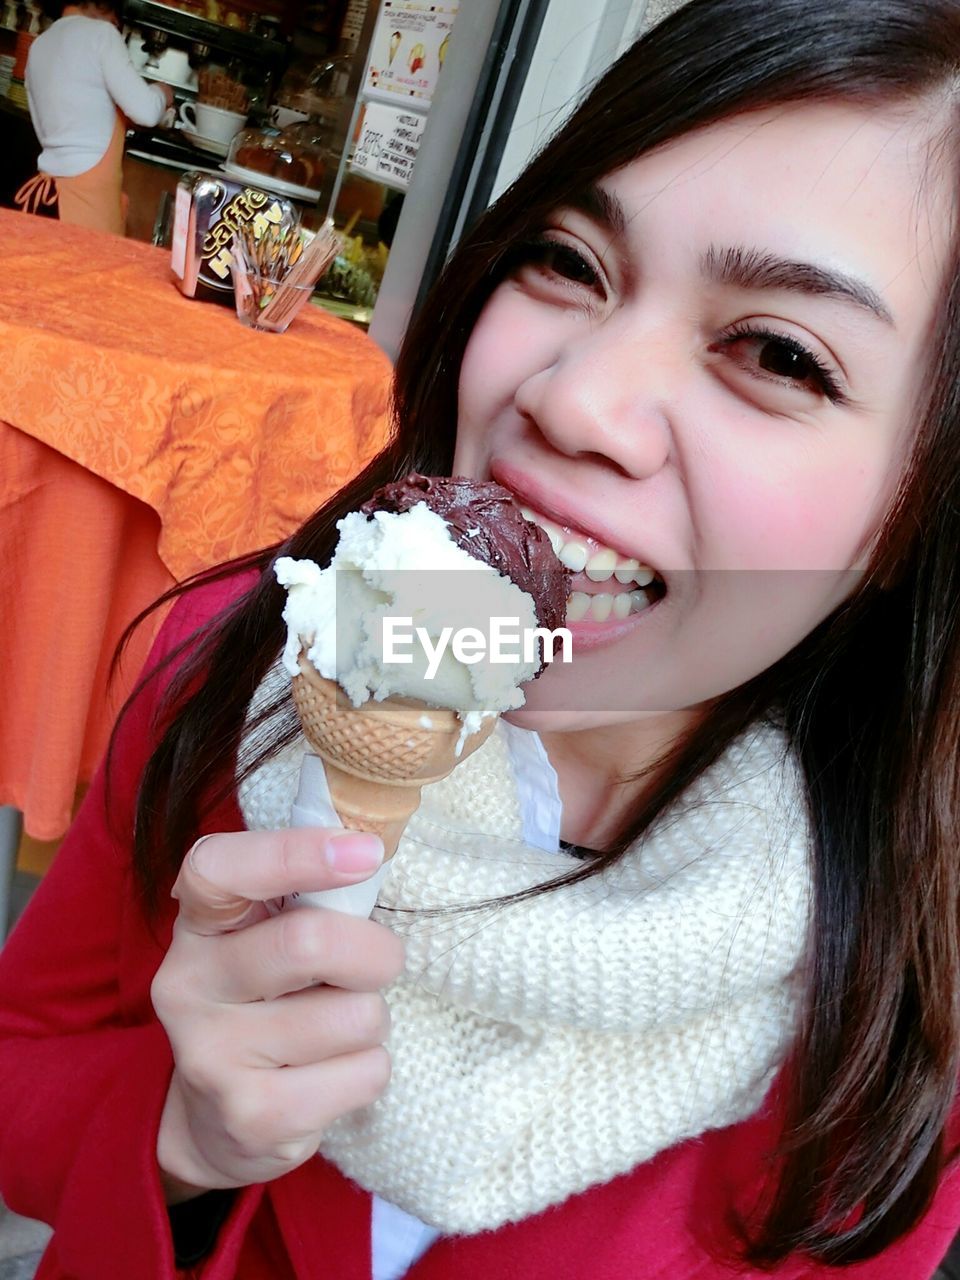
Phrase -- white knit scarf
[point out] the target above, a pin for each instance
(543, 1047)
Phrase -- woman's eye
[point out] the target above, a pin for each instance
(779, 358)
(568, 263)
(554, 258)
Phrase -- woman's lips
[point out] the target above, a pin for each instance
(582, 544)
(605, 587)
(610, 592)
(608, 589)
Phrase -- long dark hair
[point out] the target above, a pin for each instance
(869, 700)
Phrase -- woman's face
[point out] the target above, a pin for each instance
(709, 366)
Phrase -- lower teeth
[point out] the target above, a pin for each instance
(599, 608)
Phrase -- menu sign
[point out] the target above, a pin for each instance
(388, 139)
(409, 45)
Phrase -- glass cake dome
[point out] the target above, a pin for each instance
(290, 161)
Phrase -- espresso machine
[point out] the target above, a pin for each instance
(202, 58)
(176, 45)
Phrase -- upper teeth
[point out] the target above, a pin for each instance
(605, 563)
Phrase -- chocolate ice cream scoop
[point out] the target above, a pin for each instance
(485, 521)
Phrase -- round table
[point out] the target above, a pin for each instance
(143, 436)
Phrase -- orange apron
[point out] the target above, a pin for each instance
(93, 199)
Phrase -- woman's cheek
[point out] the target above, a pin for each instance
(512, 341)
(792, 518)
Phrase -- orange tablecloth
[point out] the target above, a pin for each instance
(142, 436)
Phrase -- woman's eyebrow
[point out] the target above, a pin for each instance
(601, 206)
(754, 269)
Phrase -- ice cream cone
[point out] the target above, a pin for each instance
(378, 756)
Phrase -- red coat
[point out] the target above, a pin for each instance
(84, 1067)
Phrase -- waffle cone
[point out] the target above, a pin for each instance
(378, 756)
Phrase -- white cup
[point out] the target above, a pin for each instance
(211, 122)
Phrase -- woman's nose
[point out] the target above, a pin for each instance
(604, 396)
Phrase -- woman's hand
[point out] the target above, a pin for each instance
(277, 1023)
(167, 92)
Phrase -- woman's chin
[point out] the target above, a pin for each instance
(577, 696)
(543, 720)
(554, 719)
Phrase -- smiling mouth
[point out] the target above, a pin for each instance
(607, 587)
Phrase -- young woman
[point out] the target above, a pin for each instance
(713, 329)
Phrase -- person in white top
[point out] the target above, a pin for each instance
(81, 85)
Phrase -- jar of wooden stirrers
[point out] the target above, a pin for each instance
(275, 272)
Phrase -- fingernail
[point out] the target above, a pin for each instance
(355, 851)
(192, 855)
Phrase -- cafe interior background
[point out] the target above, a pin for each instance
(399, 120)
